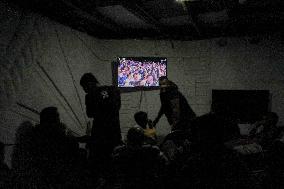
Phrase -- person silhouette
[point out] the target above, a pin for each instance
(174, 105)
(102, 104)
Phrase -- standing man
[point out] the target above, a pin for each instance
(174, 105)
(102, 104)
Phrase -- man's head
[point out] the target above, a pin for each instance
(271, 119)
(135, 136)
(163, 82)
(49, 115)
(88, 81)
(141, 119)
(166, 84)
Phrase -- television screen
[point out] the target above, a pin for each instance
(140, 71)
(246, 105)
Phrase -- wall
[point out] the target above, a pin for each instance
(30, 46)
(65, 54)
(200, 66)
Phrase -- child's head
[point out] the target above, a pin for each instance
(141, 119)
(135, 136)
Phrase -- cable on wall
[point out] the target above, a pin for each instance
(71, 74)
(140, 100)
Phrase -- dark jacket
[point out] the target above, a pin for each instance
(176, 109)
(103, 104)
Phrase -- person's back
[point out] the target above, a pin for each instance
(23, 155)
(174, 105)
(103, 106)
(137, 165)
(217, 165)
(172, 100)
(54, 152)
(104, 97)
(186, 112)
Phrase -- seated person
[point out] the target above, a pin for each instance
(176, 145)
(138, 165)
(55, 154)
(275, 164)
(211, 163)
(260, 138)
(265, 131)
(142, 121)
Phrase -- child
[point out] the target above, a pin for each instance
(142, 121)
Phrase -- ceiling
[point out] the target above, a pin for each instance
(163, 19)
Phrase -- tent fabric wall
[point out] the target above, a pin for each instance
(34, 52)
(28, 40)
(197, 67)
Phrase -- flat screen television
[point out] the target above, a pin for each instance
(246, 105)
(139, 72)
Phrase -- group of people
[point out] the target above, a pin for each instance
(199, 152)
(135, 73)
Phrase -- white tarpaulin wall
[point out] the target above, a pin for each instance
(33, 48)
(41, 64)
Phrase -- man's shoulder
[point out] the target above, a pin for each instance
(119, 151)
(109, 88)
(119, 148)
(151, 148)
(106, 87)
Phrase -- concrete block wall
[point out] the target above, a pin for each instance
(197, 67)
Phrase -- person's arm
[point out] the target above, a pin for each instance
(255, 126)
(89, 106)
(161, 112)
